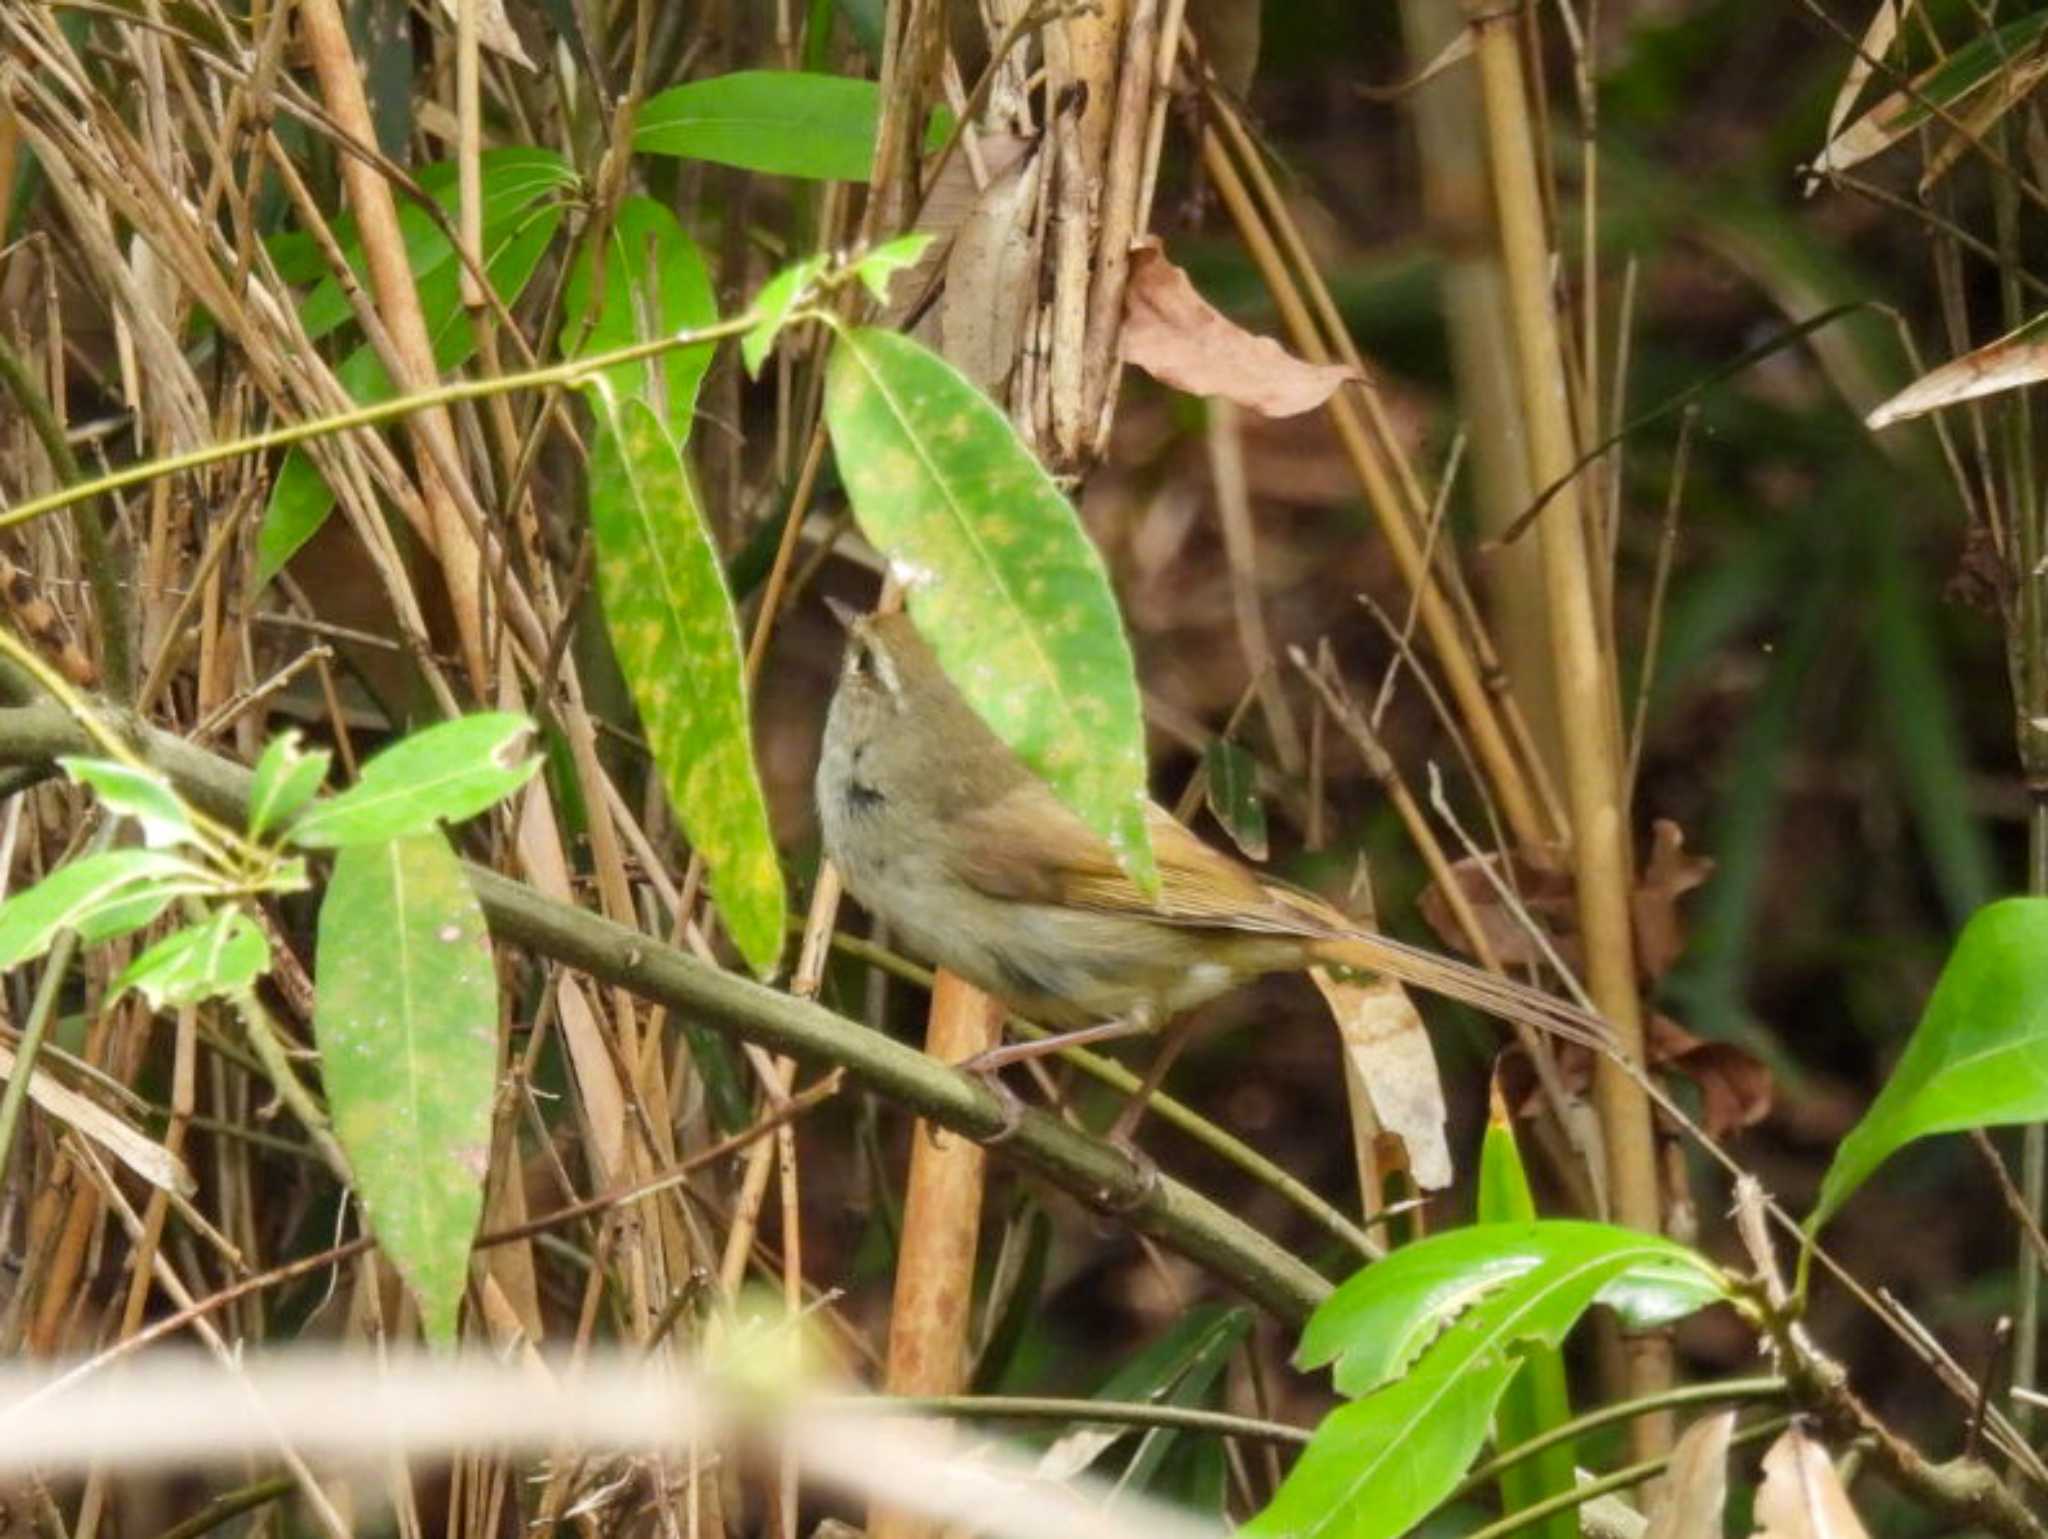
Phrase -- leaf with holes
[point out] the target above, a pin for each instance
(286, 778)
(405, 1011)
(999, 575)
(672, 626)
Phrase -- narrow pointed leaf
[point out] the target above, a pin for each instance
(784, 122)
(998, 573)
(672, 626)
(651, 282)
(406, 1015)
(777, 301)
(286, 778)
(100, 896)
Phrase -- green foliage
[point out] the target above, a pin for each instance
(998, 573)
(1430, 1338)
(450, 771)
(131, 791)
(100, 896)
(522, 210)
(783, 122)
(286, 778)
(672, 627)
(1230, 783)
(776, 304)
(223, 956)
(1979, 1057)
(646, 280)
(406, 1015)
(1181, 1368)
(1538, 1398)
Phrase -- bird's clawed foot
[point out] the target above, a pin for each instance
(1145, 1174)
(1007, 1100)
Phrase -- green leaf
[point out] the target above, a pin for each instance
(1539, 1397)
(1230, 782)
(878, 266)
(406, 1014)
(677, 641)
(208, 961)
(778, 300)
(100, 896)
(300, 498)
(999, 576)
(141, 794)
(1179, 1370)
(450, 771)
(1376, 1467)
(1979, 1057)
(285, 780)
(783, 122)
(1381, 1318)
(651, 282)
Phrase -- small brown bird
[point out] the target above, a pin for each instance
(941, 830)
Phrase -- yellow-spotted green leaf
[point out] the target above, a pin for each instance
(1979, 1057)
(300, 499)
(213, 960)
(998, 574)
(131, 791)
(648, 280)
(447, 772)
(777, 301)
(405, 1010)
(100, 896)
(286, 779)
(672, 627)
(784, 122)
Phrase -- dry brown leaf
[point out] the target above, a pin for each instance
(1387, 1053)
(1180, 339)
(1735, 1085)
(1695, 1494)
(1801, 1496)
(2018, 358)
(989, 283)
(1877, 42)
(1667, 876)
(493, 29)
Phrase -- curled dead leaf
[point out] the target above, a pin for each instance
(1180, 339)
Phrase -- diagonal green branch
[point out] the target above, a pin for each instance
(1087, 1167)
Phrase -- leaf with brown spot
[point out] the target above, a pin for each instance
(1180, 339)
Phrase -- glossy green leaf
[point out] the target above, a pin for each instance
(648, 280)
(286, 778)
(875, 268)
(207, 961)
(405, 1011)
(678, 643)
(1230, 784)
(300, 498)
(998, 574)
(784, 122)
(776, 302)
(100, 896)
(1376, 1467)
(1538, 1398)
(1382, 1318)
(1979, 1057)
(447, 772)
(142, 794)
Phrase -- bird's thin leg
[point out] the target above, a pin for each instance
(1127, 1120)
(1132, 1025)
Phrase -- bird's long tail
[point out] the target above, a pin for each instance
(1503, 997)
